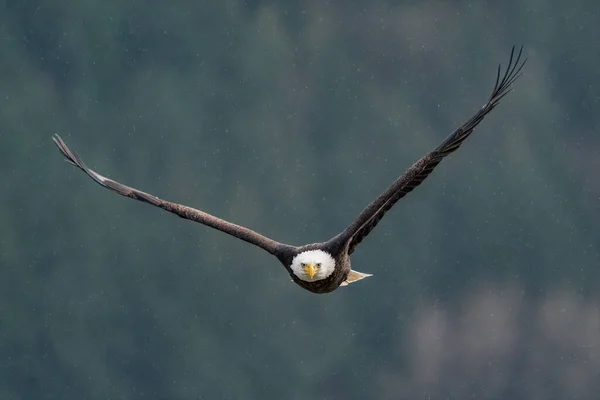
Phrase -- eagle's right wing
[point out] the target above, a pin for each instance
(186, 212)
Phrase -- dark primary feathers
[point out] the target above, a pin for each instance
(419, 171)
(192, 214)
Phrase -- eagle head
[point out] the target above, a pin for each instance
(313, 265)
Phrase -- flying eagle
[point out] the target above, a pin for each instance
(323, 267)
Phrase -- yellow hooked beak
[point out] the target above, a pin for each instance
(310, 269)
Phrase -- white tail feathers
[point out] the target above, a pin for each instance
(354, 276)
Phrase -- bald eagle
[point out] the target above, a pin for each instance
(323, 267)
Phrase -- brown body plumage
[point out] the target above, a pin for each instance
(343, 245)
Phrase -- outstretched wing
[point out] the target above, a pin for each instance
(420, 170)
(192, 214)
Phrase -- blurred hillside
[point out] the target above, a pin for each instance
(290, 117)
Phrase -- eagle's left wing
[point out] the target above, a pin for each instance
(420, 170)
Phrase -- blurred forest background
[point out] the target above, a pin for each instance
(289, 117)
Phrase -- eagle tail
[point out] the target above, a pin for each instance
(354, 276)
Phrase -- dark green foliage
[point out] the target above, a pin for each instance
(289, 118)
